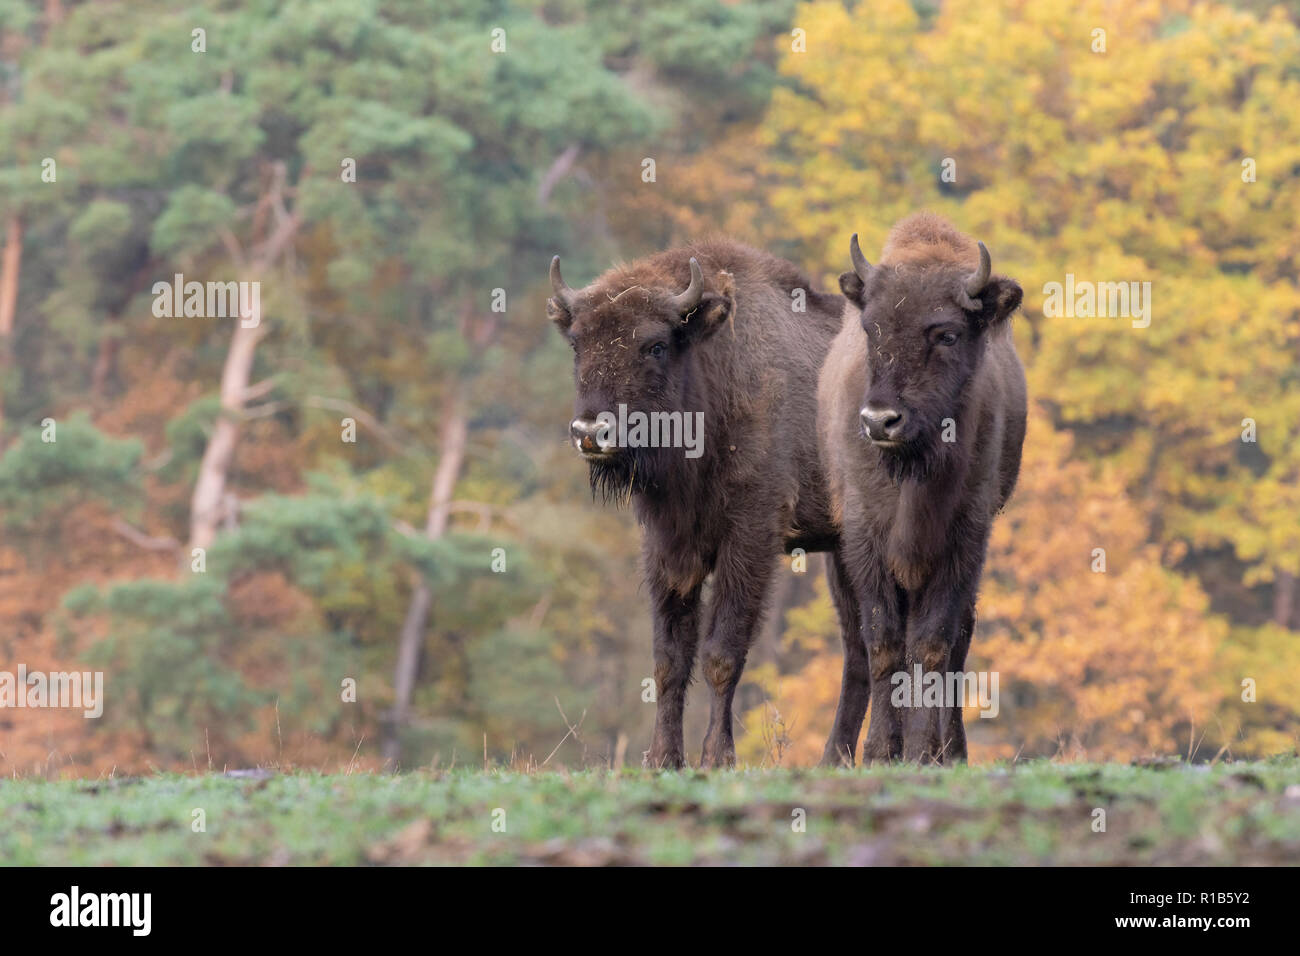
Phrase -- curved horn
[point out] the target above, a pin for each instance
(978, 279)
(685, 301)
(558, 286)
(860, 264)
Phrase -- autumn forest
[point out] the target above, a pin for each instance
(327, 515)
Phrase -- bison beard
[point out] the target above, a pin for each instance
(919, 461)
(633, 470)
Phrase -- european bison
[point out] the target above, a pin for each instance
(923, 406)
(709, 333)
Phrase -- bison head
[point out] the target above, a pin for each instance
(633, 333)
(926, 319)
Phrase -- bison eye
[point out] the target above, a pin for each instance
(947, 338)
(658, 350)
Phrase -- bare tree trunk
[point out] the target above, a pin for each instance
(208, 503)
(1284, 586)
(451, 458)
(10, 269)
(105, 358)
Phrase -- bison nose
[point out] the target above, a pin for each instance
(882, 422)
(590, 437)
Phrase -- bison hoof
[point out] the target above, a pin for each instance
(718, 758)
(879, 754)
(664, 760)
(837, 755)
(928, 754)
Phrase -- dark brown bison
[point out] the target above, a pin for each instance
(922, 402)
(709, 333)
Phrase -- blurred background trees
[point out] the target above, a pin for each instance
(397, 175)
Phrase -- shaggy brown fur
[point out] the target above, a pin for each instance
(931, 242)
(923, 404)
(748, 361)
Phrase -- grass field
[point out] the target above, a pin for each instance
(1028, 813)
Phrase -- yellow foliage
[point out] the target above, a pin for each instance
(1130, 164)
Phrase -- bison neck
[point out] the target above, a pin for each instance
(928, 514)
(684, 522)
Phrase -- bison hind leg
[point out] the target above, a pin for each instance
(855, 682)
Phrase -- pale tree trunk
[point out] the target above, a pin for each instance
(1284, 587)
(211, 503)
(11, 262)
(208, 505)
(10, 269)
(451, 458)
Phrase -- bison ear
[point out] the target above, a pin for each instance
(853, 287)
(998, 299)
(557, 313)
(714, 311)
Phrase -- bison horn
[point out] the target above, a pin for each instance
(558, 286)
(686, 301)
(860, 264)
(978, 279)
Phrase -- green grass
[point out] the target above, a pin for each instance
(1028, 813)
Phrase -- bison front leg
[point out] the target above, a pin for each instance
(855, 685)
(934, 640)
(676, 633)
(740, 585)
(882, 607)
(885, 649)
(954, 738)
